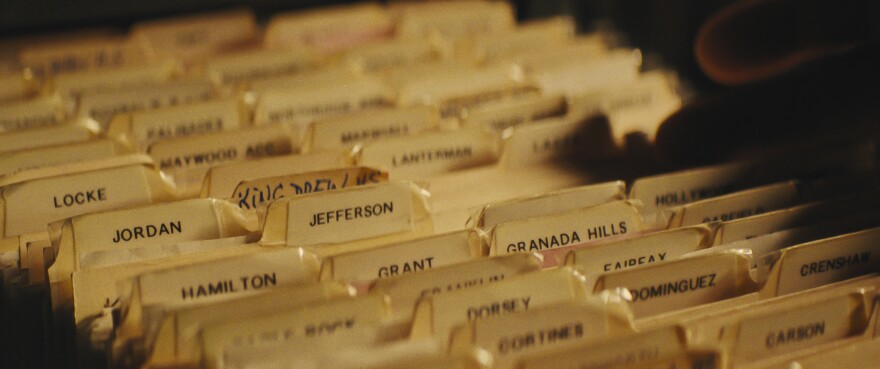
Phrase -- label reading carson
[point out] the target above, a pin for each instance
(335, 217)
(796, 328)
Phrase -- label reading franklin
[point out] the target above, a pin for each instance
(337, 217)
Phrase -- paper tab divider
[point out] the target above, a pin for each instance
(854, 251)
(176, 339)
(361, 268)
(256, 194)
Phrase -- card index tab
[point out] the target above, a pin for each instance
(103, 106)
(428, 154)
(341, 216)
(501, 115)
(736, 205)
(824, 261)
(31, 199)
(239, 68)
(221, 181)
(372, 125)
(113, 79)
(437, 315)
(78, 130)
(557, 139)
(59, 155)
(227, 278)
(31, 113)
(549, 203)
(625, 351)
(145, 127)
(208, 150)
(679, 188)
(584, 75)
(540, 34)
(384, 55)
(402, 258)
(177, 338)
(552, 328)
(800, 327)
(155, 225)
(330, 29)
(339, 316)
(683, 283)
(257, 193)
(570, 228)
(643, 250)
(300, 107)
(405, 290)
(453, 20)
(53, 58)
(196, 36)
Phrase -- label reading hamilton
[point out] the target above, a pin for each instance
(147, 231)
(80, 198)
(229, 286)
(673, 287)
(567, 238)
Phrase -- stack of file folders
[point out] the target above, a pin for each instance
(424, 185)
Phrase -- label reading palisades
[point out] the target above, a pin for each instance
(343, 216)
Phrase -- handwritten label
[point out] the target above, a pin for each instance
(256, 193)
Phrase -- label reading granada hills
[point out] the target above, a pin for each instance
(341, 216)
(566, 229)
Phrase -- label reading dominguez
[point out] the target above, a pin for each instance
(342, 216)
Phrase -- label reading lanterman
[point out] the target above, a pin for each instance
(343, 216)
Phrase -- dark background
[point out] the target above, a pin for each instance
(663, 29)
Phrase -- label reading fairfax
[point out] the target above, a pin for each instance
(566, 229)
(629, 253)
(342, 216)
(256, 193)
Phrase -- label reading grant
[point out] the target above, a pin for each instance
(342, 216)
